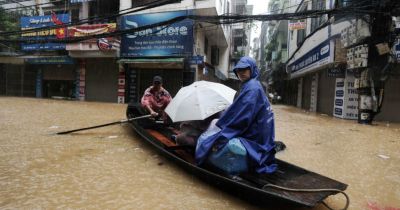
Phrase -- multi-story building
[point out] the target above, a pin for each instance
(324, 59)
(274, 42)
(181, 53)
(118, 69)
(53, 68)
(241, 32)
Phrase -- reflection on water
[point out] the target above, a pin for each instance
(112, 168)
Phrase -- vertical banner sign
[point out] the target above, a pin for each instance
(175, 39)
(121, 84)
(338, 107)
(346, 98)
(314, 93)
(397, 49)
(132, 92)
(397, 45)
(48, 37)
(82, 81)
(351, 99)
(39, 79)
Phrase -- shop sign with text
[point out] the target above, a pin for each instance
(47, 36)
(297, 25)
(175, 39)
(315, 58)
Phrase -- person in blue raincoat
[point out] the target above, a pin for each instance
(249, 119)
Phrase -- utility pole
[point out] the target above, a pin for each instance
(372, 79)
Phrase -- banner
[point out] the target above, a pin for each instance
(48, 36)
(87, 30)
(313, 59)
(79, 1)
(346, 98)
(50, 60)
(170, 40)
(298, 25)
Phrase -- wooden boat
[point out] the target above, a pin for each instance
(258, 189)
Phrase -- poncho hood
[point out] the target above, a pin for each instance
(245, 62)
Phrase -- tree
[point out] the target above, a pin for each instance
(8, 22)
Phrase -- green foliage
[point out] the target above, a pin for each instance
(9, 22)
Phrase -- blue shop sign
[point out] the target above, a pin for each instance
(339, 102)
(45, 35)
(50, 60)
(339, 93)
(79, 1)
(44, 46)
(196, 59)
(312, 58)
(170, 40)
(397, 48)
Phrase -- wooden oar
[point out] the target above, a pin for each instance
(103, 125)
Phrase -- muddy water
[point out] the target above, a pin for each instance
(112, 168)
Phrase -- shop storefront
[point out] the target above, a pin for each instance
(54, 77)
(308, 69)
(15, 80)
(97, 71)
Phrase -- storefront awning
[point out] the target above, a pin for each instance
(154, 63)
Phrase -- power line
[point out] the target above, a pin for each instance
(224, 19)
(34, 5)
(95, 18)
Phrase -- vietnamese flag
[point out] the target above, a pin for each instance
(60, 32)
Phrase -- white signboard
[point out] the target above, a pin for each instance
(338, 107)
(346, 98)
(298, 25)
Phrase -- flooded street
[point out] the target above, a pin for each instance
(112, 168)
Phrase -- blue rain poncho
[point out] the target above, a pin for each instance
(249, 118)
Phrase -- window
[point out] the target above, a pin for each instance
(301, 35)
(317, 5)
(75, 15)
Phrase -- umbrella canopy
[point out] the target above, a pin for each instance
(199, 101)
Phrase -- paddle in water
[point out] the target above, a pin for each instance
(103, 125)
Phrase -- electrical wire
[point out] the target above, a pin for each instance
(94, 18)
(34, 5)
(208, 19)
(229, 19)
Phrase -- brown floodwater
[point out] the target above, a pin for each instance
(113, 168)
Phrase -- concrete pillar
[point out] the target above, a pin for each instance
(299, 92)
(84, 11)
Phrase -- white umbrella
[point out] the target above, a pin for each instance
(199, 101)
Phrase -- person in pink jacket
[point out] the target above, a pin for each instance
(155, 98)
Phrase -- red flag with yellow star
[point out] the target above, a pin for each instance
(60, 32)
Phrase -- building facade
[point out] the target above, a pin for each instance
(118, 68)
(324, 64)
